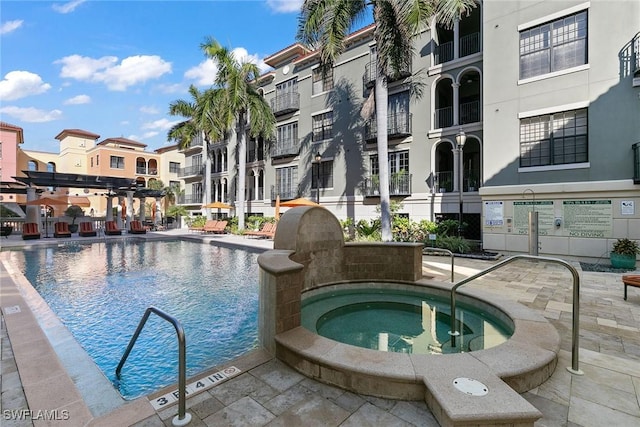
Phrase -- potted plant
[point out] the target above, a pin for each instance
(73, 212)
(623, 254)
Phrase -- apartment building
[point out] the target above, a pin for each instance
(561, 123)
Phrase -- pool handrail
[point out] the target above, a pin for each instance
(446, 251)
(183, 418)
(575, 310)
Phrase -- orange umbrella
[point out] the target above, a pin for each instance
(298, 202)
(217, 205)
(47, 201)
(124, 209)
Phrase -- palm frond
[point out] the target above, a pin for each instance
(448, 11)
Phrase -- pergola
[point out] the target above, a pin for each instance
(34, 181)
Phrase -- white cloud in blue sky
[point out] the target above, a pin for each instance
(78, 100)
(20, 84)
(10, 26)
(67, 7)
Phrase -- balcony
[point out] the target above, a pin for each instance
(142, 170)
(189, 199)
(470, 181)
(443, 117)
(371, 73)
(469, 112)
(636, 162)
(285, 103)
(398, 126)
(191, 171)
(469, 44)
(444, 182)
(443, 53)
(399, 185)
(285, 148)
(286, 192)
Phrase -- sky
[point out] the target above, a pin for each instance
(112, 67)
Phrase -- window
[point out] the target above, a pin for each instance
(323, 126)
(97, 159)
(554, 46)
(325, 176)
(398, 162)
(286, 88)
(32, 165)
(117, 162)
(288, 134)
(174, 167)
(287, 181)
(51, 167)
(554, 139)
(321, 83)
(92, 162)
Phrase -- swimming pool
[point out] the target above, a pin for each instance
(100, 292)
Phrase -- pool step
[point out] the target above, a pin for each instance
(455, 405)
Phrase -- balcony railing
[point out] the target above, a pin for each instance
(469, 44)
(285, 148)
(636, 163)
(285, 103)
(443, 53)
(141, 170)
(399, 185)
(285, 193)
(444, 182)
(398, 126)
(189, 199)
(636, 55)
(371, 73)
(470, 112)
(191, 171)
(443, 117)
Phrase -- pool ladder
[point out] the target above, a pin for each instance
(576, 302)
(183, 418)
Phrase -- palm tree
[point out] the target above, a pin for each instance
(200, 114)
(324, 24)
(241, 105)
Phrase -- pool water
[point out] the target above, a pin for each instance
(400, 321)
(100, 292)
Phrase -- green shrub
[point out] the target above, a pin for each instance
(454, 243)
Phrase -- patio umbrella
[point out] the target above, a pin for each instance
(277, 214)
(217, 205)
(123, 215)
(298, 202)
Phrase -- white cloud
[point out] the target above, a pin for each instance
(130, 71)
(67, 7)
(10, 26)
(172, 88)
(161, 124)
(144, 136)
(285, 6)
(31, 115)
(77, 100)
(19, 84)
(149, 109)
(204, 74)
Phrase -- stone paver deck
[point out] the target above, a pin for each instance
(270, 393)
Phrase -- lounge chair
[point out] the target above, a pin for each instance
(136, 227)
(111, 228)
(30, 231)
(214, 226)
(86, 229)
(265, 230)
(61, 229)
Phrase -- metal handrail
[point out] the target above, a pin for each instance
(446, 251)
(576, 302)
(183, 418)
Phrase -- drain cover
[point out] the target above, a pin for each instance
(470, 386)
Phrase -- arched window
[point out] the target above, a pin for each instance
(32, 165)
(51, 167)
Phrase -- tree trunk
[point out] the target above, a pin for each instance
(242, 170)
(206, 188)
(381, 96)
